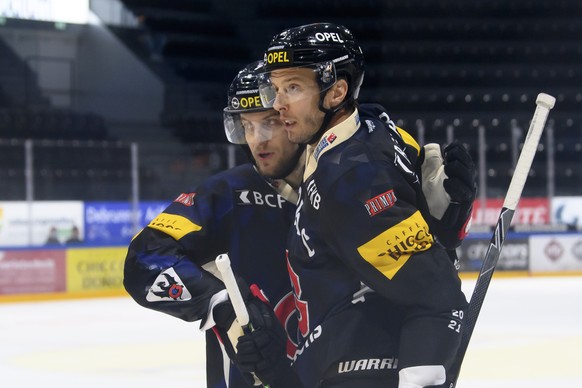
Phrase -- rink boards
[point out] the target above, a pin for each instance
(79, 272)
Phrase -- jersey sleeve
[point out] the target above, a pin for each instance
(167, 267)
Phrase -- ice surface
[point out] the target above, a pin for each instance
(529, 334)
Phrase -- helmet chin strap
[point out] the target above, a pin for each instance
(329, 113)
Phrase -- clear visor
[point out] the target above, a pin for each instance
(252, 127)
(287, 86)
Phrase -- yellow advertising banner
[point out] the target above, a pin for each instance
(91, 270)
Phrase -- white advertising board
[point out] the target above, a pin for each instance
(567, 210)
(16, 217)
(68, 11)
(555, 252)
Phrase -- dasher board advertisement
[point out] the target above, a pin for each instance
(112, 223)
(557, 253)
(567, 210)
(530, 211)
(32, 271)
(52, 223)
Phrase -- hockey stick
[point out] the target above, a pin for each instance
(544, 103)
(238, 304)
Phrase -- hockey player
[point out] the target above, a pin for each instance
(363, 255)
(245, 211)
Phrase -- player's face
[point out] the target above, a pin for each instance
(265, 134)
(297, 99)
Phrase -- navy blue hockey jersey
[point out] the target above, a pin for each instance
(169, 264)
(363, 261)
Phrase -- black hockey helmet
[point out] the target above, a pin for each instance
(243, 97)
(330, 48)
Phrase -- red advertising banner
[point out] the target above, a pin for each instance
(530, 211)
(32, 271)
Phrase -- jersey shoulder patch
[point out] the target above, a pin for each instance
(167, 287)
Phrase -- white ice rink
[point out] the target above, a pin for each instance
(529, 334)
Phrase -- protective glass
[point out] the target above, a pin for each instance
(292, 90)
(251, 127)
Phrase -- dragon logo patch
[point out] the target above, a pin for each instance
(168, 286)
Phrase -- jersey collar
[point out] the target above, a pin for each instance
(330, 139)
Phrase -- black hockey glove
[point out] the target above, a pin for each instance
(263, 350)
(226, 327)
(461, 185)
(449, 186)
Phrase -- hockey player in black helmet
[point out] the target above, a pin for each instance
(327, 50)
(367, 251)
(332, 53)
(246, 212)
(249, 123)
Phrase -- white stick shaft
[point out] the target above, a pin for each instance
(238, 304)
(544, 103)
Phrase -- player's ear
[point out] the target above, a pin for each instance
(337, 93)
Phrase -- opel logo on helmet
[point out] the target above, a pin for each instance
(235, 103)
